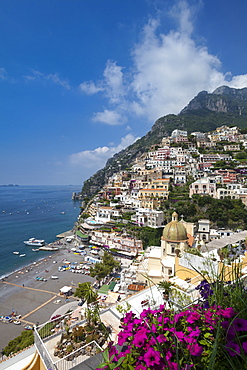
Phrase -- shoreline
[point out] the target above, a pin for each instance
(55, 243)
(35, 300)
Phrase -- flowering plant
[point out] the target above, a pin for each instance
(196, 338)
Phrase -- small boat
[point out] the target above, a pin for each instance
(16, 252)
(22, 255)
(35, 249)
(17, 322)
(62, 213)
(54, 277)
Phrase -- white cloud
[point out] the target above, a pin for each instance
(109, 117)
(168, 70)
(53, 77)
(3, 74)
(238, 81)
(57, 80)
(114, 81)
(90, 88)
(96, 159)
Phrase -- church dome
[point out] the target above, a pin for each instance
(175, 231)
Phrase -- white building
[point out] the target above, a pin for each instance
(203, 186)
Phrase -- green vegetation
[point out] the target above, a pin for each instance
(24, 340)
(179, 192)
(46, 330)
(85, 290)
(226, 212)
(102, 269)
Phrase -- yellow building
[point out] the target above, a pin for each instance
(160, 262)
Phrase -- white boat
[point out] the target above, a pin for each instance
(16, 252)
(34, 242)
(35, 250)
(52, 249)
(54, 277)
(22, 255)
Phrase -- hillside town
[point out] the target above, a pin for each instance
(162, 255)
(213, 164)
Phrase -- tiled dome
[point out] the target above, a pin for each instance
(175, 230)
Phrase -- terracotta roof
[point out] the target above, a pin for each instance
(136, 287)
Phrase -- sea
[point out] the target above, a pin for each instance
(40, 212)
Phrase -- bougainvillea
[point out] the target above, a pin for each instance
(164, 340)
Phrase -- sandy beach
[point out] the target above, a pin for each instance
(34, 300)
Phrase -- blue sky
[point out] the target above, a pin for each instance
(82, 79)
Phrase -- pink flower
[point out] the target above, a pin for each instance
(173, 366)
(161, 338)
(190, 340)
(141, 367)
(128, 317)
(227, 312)
(195, 349)
(152, 341)
(193, 317)
(168, 355)
(151, 357)
(163, 320)
(179, 334)
(153, 328)
(122, 337)
(195, 333)
(139, 340)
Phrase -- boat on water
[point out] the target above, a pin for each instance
(16, 252)
(46, 248)
(22, 255)
(35, 249)
(34, 242)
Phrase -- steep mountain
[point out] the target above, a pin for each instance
(225, 106)
(222, 100)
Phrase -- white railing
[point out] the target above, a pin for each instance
(75, 358)
(69, 361)
(44, 353)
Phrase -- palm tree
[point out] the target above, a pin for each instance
(165, 286)
(86, 291)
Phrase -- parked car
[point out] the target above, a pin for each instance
(81, 302)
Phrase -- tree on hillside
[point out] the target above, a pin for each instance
(102, 269)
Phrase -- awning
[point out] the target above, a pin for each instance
(65, 289)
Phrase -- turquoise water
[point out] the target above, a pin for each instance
(33, 211)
